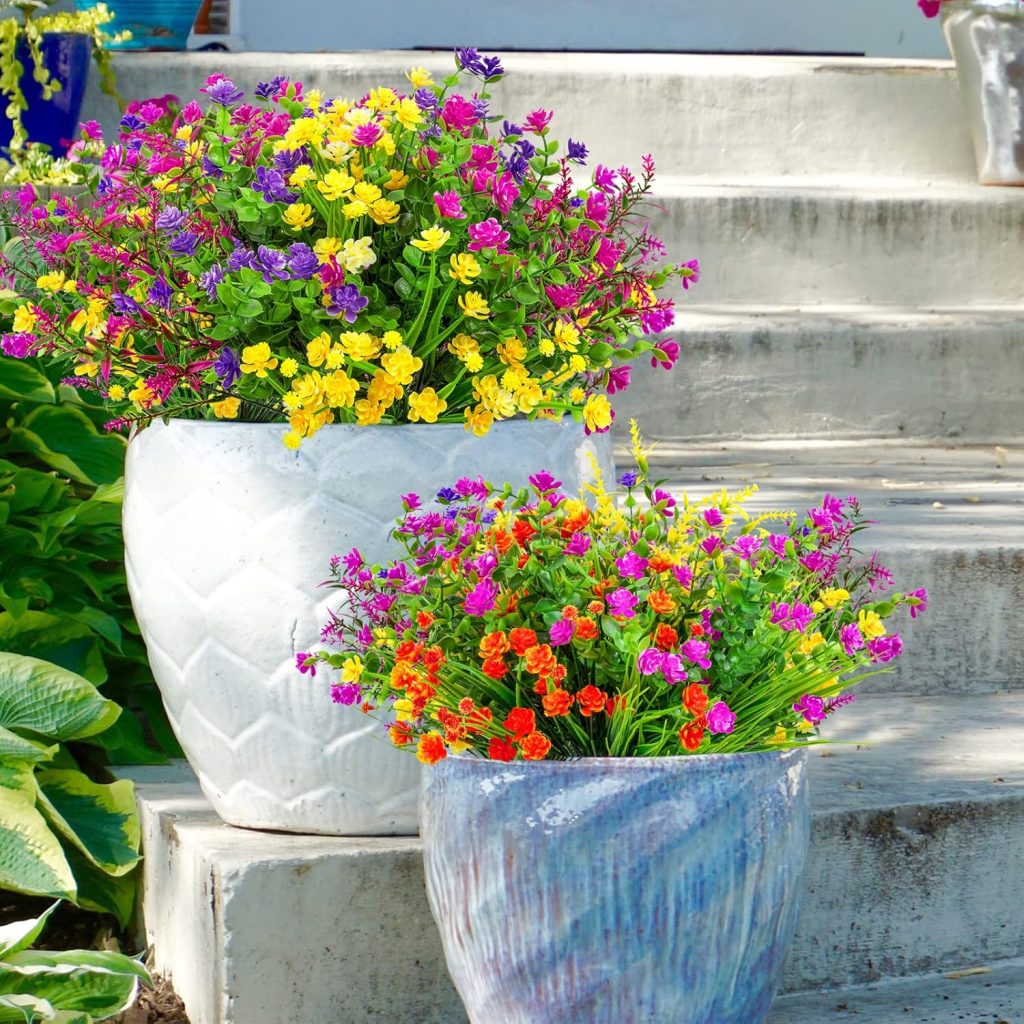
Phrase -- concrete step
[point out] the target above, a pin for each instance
(844, 240)
(838, 372)
(721, 116)
(915, 866)
(947, 518)
(989, 995)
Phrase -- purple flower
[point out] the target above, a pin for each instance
(209, 280)
(811, 707)
(713, 517)
(184, 243)
(696, 651)
(302, 261)
(125, 305)
(576, 152)
(353, 561)
(544, 482)
(619, 379)
(170, 219)
(631, 565)
(481, 599)
(922, 606)
(411, 501)
(562, 632)
(346, 299)
(621, 603)
(885, 648)
(228, 367)
(18, 346)
(131, 123)
(485, 67)
(683, 575)
(300, 663)
(241, 257)
(426, 98)
(271, 185)
(210, 169)
(720, 718)
(670, 353)
(346, 693)
(160, 293)
(266, 90)
(690, 273)
(663, 501)
(517, 166)
(271, 263)
(629, 479)
(650, 661)
(746, 547)
(851, 639)
(222, 90)
(447, 494)
(579, 544)
(672, 668)
(487, 235)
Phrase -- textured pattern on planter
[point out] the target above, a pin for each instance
(227, 536)
(607, 891)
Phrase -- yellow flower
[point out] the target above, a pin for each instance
(871, 624)
(289, 367)
(341, 390)
(384, 211)
(384, 390)
(357, 254)
(835, 597)
(426, 406)
(335, 184)
(381, 99)
(464, 267)
(302, 132)
(577, 364)
(226, 408)
(24, 319)
(140, 395)
(165, 184)
(313, 98)
(528, 397)
(298, 216)
(809, 644)
(367, 193)
(404, 709)
(407, 113)
(352, 669)
(391, 340)
(597, 413)
(90, 321)
(479, 420)
(567, 337)
(310, 390)
(184, 133)
(397, 179)
(318, 349)
(419, 77)
(779, 736)
(357, 208)
(546, 347)
(51, 282)
(325, 248)
(360, 346)
(115, 392)
(301, 176)
(257, 359)
(474, 305)
(292, 440)
(368, 413)
(386, 143)
(401, 364)
(577, 396)
(512, 352)
(431, 239)
(335, 357)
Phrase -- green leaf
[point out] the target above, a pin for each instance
(19, 935)
(21, 381)
(106, 894)
(65, 438)
(600, 351)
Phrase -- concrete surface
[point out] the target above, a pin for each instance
(775, 371)
(724, 118)
(916, 865)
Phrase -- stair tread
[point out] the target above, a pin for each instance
(993, 997)
(838, 187)
(694, 314)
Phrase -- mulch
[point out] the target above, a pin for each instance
(157, 1005)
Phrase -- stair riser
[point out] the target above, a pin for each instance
(834, 380)
(699, 115)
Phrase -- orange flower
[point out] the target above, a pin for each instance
(523, 559)
(540, 661)
(615, 704)
(501, 749)
(574, 523)
(408, 650)
(433, 659)
(479, 718)
(400, 734)
(695, 699)
(606, 584)
(570, 612)
(366, 707)
(493, 645)
(591, 701)
(431, 748)
(659, 562)
(595, 607)
(519, 722)
(696, 629)
(446, 717)
(403, 675)
(665, 637)
(522, 640)
(424, 619)
(534, 747)
(522, 531)
(557, 702)
(692, 735)
(661, 602)
(586, 629)
(495, 668)
(503, 540)
(559, 673)
(466, 706)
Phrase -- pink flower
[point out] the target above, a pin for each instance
(562, 632)
(504, 192)
(930, 7)
(721, 719)
(449, 204)
(622, 603)
(459, 114)
(672, 669)
(191, 112)
(488, 235)
(650, 661)
(537, 121)
(367, 135)
(597, 207)
(563, 296)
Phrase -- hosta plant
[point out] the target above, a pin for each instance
(522, 624)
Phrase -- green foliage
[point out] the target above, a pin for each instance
(61, 834)
(73, 987)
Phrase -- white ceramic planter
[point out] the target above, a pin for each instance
(227, 536)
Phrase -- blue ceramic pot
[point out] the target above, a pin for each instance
(616, 890)
(53, 122)
(154, 24)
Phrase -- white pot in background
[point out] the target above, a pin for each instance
(227, 537)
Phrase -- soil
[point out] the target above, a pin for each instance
(157, 1005)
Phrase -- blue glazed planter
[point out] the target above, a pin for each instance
(616, 890)
(53, 122)
(154, 24)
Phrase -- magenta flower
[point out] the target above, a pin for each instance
(690, 273)
(353, 561)
(664, 502)
(930, 7)
(459, 114)
(650, 661)
(449, 204)
(851, 639)
(488, 234)
(597, 208)
(562, 632)
(885, 648)
(713, 517)
(579, 544)
(619, 378)
(563, 296)
(622, 603)
(544, 482)
(305, 662)
(367, 135)
(696, 651)
(683, 575)
(746, 547)
(672, 669)
(504, 191)
(777, 542)
(537, 121)
(18, 346)
(346, 693)
(711, 545)
(191, 112)
(811, 707)
(631, 565)
(481, 599)
(791, 617)
(669, 356)
(922, 606)
(721, 719)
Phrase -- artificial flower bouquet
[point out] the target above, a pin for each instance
(409, 256)
(524, 624)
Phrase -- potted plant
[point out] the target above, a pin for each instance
(44, 64)
(389, 287)
(616, 703)
(986, 38)
(149, 24)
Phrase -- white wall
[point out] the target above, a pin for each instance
(880, 28)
